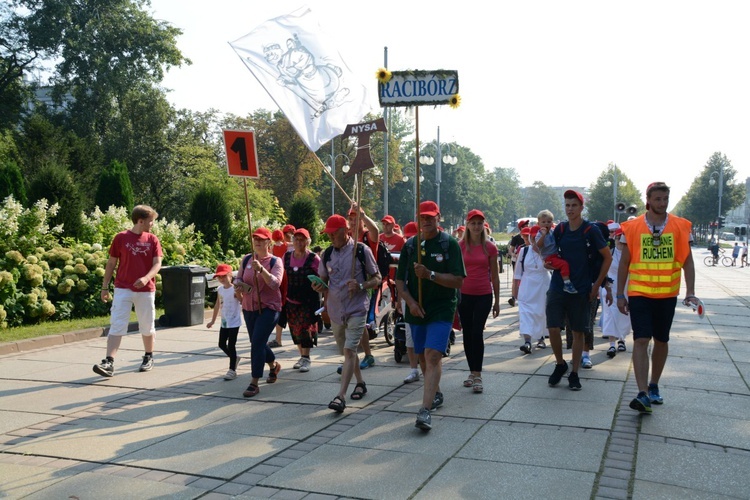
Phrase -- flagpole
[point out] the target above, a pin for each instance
(357, 196)
(322, 165)
(418, 236)
(247, 210)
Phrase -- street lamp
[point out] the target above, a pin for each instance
(612, 171)
(448, 159)
(720, 174)
(332, 169)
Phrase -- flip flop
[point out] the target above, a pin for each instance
(357, 395)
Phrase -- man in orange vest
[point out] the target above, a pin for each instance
(656, 250)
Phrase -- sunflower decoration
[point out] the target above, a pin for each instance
(455, 101)
(383, 75)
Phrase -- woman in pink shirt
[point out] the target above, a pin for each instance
(259, 279)
(481, 283)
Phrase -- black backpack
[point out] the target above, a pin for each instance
(360, 257)
(383, 257)
(594, 257)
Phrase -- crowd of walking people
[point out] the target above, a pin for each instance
(441, 282)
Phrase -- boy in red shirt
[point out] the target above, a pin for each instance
(136, 254)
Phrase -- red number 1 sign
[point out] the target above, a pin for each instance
(242, 160)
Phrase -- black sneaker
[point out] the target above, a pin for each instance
(106, 368)
(424, 420)
(437, 401)
(556, 376)
(526, 348)
(611, 352)
(573, 382)
(641, 403)
(147, 364)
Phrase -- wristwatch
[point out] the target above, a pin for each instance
(432, 276)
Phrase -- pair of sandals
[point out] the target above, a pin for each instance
(338, 405)
(273, 375)
(474, 382)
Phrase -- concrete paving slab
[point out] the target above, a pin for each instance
(558, 411)
(22, 481)
(462, 478)
(703, 374)
(659, 491)
(677, 422)
(596, 391)
(396, 432)
(696, 469)
(93, 439)
(206, 452)
(513, 444)
(12, 420)
(91, 485)
(258, 418)
(357, 472)
(54, 398)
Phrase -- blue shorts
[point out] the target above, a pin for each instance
(432, 335)
(651, 318)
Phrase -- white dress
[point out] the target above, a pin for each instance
(614, 323)
(532, 294)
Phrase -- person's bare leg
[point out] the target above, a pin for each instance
(658, 360)
(433, 361)
(640, 363)
(555, 341)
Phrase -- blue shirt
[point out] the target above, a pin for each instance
(573, 248)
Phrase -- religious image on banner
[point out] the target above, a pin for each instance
(306, 77)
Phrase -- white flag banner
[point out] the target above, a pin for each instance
(305, 75)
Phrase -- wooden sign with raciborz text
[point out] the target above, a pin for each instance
(242, 157)
(418, 88)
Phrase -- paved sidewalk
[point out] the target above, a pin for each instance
(181, 431)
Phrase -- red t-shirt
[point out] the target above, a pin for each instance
(392, 243)
(279, 250)
(135, 254)
(477, 264)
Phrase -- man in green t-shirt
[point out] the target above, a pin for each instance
(441, 272)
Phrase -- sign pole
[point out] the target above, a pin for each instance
(417, 195)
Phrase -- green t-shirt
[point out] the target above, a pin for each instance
(438, 302)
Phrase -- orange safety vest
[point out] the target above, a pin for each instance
(655, 271)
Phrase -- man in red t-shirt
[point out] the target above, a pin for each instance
(136, 254)
(392, 240)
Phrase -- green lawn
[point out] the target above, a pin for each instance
(58, 327)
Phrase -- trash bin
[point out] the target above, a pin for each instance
(183, 291)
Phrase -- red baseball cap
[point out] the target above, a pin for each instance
(533, 230)
(223, 270)
(429, 208)
(474, 213)
(461, 228)
(526, 230)
(288, 229)
(303, 232)
(388, 219)
(573, 194)
(522, 224)
(277, 235)
(396, 227)
(410, 229)
(263, 233)
(334, 223)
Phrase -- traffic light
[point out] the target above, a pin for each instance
(736, 231)
(721, 222)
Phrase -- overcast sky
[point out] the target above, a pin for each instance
(556, 90)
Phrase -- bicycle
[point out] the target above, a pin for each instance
(712, 261)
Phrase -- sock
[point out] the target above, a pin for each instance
(566, 281)
(306, 357)
(150, 354)
(611, 344)
(415, 370)
(585, 354)
(111, 359)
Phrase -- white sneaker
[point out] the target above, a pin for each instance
(412, 377)
(231, 375)
(305, 366)
(298, 364)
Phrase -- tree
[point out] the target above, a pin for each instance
(505, 201)
(55, 184)
(304, 213)
(538, 197)
(212, 215)
(600, 204)
(701, 203)
(114, 187)
(11, 182)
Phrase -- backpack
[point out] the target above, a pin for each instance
(595, 258)
(522, 257)
(444, 244)
(383, 257)
(283, 286)
(360, 257)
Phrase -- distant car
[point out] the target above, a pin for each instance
(727, 236)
